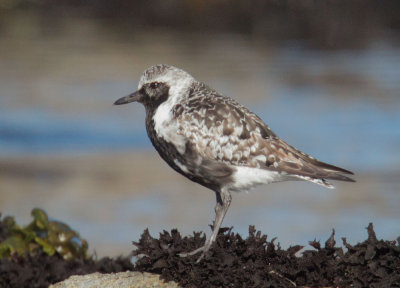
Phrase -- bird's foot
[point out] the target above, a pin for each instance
(202, 249)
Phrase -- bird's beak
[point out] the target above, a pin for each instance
(134, 97)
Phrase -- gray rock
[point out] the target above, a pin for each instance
(115, 280)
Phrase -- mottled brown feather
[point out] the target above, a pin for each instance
(220, 129)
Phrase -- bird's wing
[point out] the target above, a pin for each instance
(219, 129)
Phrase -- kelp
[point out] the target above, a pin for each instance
(42, 234)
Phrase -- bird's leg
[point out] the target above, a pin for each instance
(224, 199)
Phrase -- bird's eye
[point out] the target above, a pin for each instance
(153, 85)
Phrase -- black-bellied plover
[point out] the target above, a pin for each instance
(214, 141)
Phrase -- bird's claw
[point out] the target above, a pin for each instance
(202, 249)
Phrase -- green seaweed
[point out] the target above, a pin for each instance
(50, 236)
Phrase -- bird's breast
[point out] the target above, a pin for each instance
(165, 126)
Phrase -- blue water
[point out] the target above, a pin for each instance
(358, 127)
(36, 131)
(358, 134)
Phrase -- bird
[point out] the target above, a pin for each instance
(218, 143)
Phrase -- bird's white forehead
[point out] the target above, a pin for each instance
(170, 75)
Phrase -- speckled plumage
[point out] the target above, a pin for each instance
(215, 141)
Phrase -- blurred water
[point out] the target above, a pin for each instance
(359, 134)
(57, 119)
(38, 131)
(342, 105)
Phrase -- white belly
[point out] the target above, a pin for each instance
(245, 178)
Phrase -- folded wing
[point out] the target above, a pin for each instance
(222, 130)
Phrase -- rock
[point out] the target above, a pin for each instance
(118, 280)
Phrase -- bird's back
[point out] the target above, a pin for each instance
(218, 129)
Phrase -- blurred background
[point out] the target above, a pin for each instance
(325, 75)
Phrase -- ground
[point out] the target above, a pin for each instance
(233, 262)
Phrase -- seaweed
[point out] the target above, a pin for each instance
(233, 261)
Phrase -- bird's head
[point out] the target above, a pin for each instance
(158, 84)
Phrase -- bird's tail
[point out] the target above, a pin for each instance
(327, 171)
